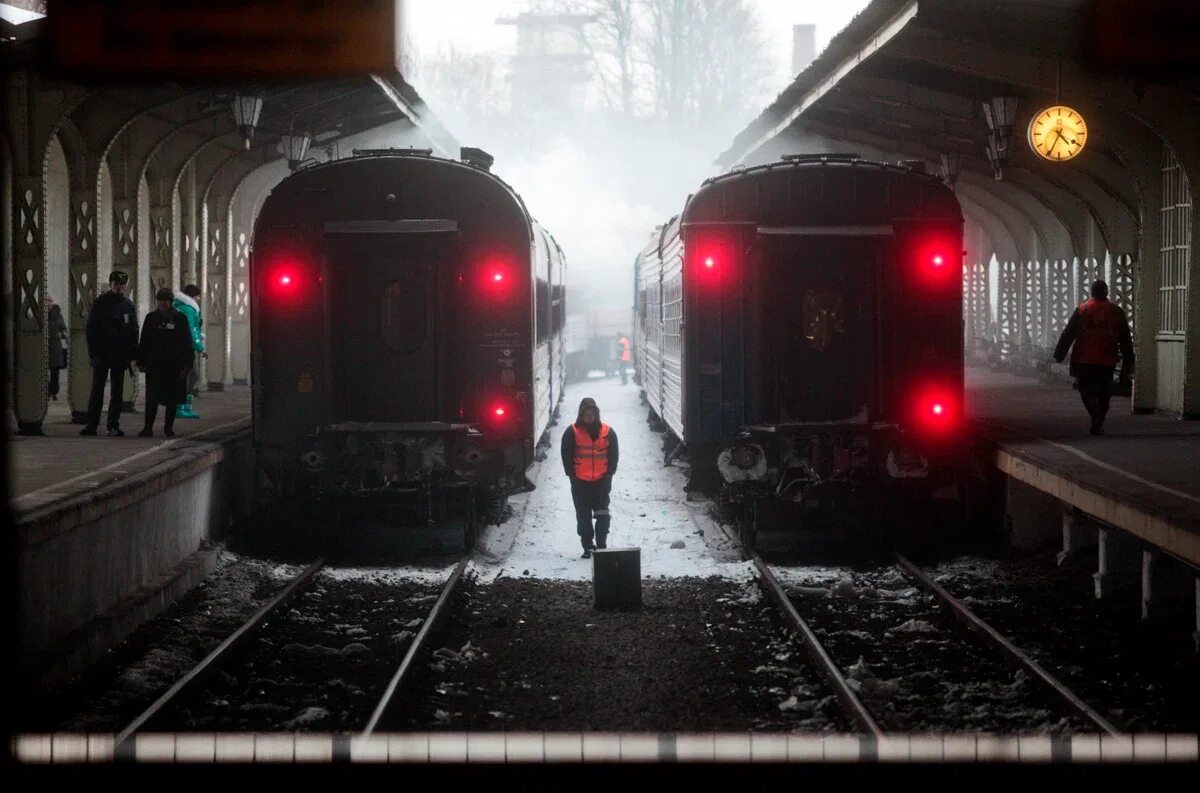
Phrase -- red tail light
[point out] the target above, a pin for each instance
(931, 261)
(709, 259)
(288, 281)
(500, 416)
(497, 278)
(936, 410)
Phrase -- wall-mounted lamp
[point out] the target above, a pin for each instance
(951, 164)
(294, 147)
(995, 157)
(246, 110)
(1000, 113)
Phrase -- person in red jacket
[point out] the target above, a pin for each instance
(589, 456)
(1096, 333)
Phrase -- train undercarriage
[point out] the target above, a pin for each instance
(826, 476)
(402, 475)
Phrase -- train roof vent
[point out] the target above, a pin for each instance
(476, 158)
(409, 152)
(823, 157)
(916, 166)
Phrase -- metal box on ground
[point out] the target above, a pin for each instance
(617, 578)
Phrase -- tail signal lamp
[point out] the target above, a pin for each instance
(931, 261)
(937, 411)
(289, 281)
(497, 278)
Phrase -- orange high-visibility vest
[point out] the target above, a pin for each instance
(1097, 339)
(591, 456)
(624, 342)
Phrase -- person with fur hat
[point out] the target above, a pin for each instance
(165, 355)
(589, 455)
(188, 304)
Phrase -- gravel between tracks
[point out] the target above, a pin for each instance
(532, 654)
(1142, 675)
(915, 669)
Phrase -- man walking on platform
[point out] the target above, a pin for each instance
(112, 340)
(165, 355)
(589, 455)
(1096, 332)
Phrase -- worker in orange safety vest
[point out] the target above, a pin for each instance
(1097, 331)
(624, 356)
(589, 456)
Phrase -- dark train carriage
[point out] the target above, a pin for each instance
(801, 332)
(407, 327)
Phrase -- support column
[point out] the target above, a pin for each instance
(1166, 585)
(216, 300)
(30, 385)
(238, 347)
(1118, 562)
(84, 264)
(1196, 635)
(161, 216)
(189, 228)
(1077, 533)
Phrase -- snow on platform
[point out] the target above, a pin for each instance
(648, 507)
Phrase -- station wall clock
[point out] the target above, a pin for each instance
(1057, 133)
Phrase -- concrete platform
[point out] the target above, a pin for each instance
(1142, 477)
(111, 530)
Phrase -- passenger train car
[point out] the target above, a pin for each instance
(800, 331)
(407, 323)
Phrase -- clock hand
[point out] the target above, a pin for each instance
(1057, 138)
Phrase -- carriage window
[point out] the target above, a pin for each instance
(543, 310)
(402, 321)
(559, 319)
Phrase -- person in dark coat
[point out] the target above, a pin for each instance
(56, 343)
(589, 456)
(1095, 334)
(165, 355)
(112, 340)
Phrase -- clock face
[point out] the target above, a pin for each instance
(1057, 133)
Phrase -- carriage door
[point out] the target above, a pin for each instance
(389, 291)
(819, 322)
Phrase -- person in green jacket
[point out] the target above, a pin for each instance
(188, 304)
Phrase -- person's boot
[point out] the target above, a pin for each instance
(601, 542)
(185, 411)
(147, 432)
(88, 430)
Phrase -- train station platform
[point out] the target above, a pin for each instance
(110, 530)
(1141, 477)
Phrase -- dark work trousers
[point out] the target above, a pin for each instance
(591, 498)
(54, 382)
(1095, 384)
(115, 399)
(152, 399)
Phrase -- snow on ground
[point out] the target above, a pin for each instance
(647, 504)
(390, 575)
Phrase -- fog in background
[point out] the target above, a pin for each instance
(605, 114)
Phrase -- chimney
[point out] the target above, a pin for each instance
(804, 47)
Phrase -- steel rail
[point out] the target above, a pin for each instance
(817, 653)
(996, 639)
(418, 643)
(210, 660)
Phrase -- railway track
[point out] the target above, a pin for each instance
(981, 660)
(194, 691)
